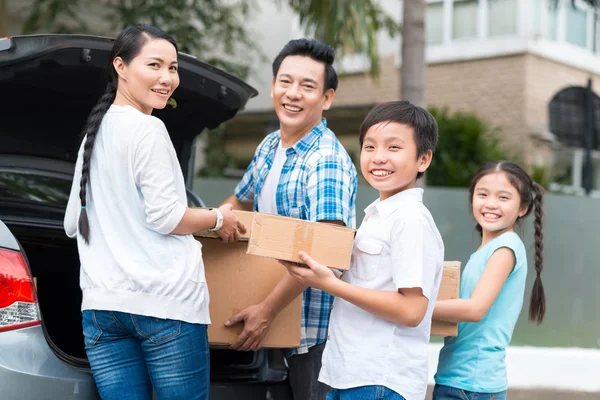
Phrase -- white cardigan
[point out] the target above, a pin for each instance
(135, 197)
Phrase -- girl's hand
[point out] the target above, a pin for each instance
(313, 274)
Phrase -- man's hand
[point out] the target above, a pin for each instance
(312, 274)
(257, 321)
(232, 227)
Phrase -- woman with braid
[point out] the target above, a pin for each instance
(472, 365)
(145, 300)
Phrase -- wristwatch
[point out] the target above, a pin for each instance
(219, 223)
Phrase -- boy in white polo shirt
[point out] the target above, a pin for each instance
(381, 320)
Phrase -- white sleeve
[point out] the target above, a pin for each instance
(71, 220)
(413, 261)
(155, 174)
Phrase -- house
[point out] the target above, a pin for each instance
(504, 60)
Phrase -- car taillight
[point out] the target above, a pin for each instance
(18, 300)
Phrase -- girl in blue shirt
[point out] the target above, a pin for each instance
(472, 364)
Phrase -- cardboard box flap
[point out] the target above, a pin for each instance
(245, 218)
(282, 238)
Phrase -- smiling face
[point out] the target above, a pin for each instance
(298, 95)
(388, 158)
(496, 205)
(150, 78)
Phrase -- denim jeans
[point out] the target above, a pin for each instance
(441, 392)
(364, 393)
(132, 354)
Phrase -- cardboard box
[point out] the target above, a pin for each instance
(282, 238)
(237, 280)
(245, 217)
(449, 289)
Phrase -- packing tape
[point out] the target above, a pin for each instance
(303, 240)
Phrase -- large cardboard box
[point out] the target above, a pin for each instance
(449, 289)
(237, 280)
(282, 238)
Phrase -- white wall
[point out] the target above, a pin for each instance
(272, 27)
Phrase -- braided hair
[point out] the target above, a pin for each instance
(127, 46)
(532, 198)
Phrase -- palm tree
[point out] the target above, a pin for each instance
(412, 72)
(3, 18)
(353, 25)
(350, 26)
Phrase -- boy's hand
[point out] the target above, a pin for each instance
(313, 274)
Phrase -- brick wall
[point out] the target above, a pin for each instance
(511, 92)
(544, 79)
(492, 88)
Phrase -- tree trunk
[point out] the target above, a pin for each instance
(412, 72)
(3, 18)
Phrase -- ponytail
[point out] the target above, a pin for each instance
(89, 135)
(537, 306)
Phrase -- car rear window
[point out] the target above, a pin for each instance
(34, 187)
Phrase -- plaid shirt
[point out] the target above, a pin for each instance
(318, 182)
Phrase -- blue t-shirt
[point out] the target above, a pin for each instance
(475, 359)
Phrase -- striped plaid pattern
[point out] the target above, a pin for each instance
(318, 182)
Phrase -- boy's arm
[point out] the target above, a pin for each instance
(496, 271)
(414, 257)
(406, 306)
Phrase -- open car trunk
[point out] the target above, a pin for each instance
(51, 82)
(54, 262)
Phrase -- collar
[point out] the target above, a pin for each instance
(302, 146)
(386, 207)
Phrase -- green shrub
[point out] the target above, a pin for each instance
(465, 142)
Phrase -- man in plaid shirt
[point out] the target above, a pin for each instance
(300, 171)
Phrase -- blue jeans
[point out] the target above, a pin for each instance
(441, 392)
(132, 354)
(364, 393)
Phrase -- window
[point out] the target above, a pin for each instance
(464, 19)
(502, 17)
(553, 22)
(434, 23)
(21, 186)
(576, 27)
(537, 16)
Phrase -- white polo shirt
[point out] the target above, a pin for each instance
(397, 246)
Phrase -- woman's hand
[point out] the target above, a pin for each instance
(232, 227)
(312, 274)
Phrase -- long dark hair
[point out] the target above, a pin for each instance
(532, 197)
(127, 45)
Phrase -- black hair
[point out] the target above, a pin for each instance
(127, 46)
(314, 49)
(532, 198)
(419, 119)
